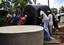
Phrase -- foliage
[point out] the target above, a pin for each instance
(54, 10)
(3, 21)
(12, 9)
(22, 3)
(61, 10)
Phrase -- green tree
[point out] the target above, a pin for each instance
(54, 10)
(21, 3)
(61, 10)
(12, 8)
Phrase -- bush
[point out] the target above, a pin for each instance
(3, 21)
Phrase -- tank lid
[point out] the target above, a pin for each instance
(20, 29)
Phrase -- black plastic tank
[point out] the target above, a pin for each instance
(33, 12)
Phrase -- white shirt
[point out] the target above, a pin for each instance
(56, 17)
(45, 17)
(50, 18)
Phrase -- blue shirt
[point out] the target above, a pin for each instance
(15, 19)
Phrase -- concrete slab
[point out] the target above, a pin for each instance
(53, 41)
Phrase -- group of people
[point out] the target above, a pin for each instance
(49, 23)
(15, 19)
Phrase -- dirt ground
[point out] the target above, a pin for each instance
(62, 44)
(60, 34)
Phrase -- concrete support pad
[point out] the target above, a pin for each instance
(53, 41)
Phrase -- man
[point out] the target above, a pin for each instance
(23, 20)
(15, 19)
(50, 18)
(45, 21)
(55, 21)
(9, 19)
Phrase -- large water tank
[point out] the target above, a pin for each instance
(33, 12)
(21, 35)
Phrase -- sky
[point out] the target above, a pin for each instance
(53, 3)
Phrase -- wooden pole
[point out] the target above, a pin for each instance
(34, 2)
(48, 2)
